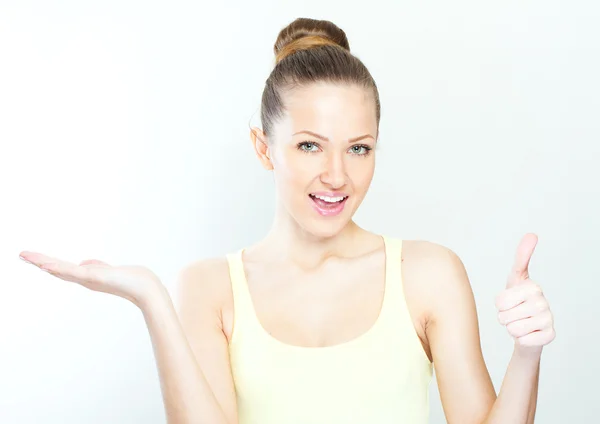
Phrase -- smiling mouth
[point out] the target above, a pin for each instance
(328, 206)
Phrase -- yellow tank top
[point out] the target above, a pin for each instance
(380, 377)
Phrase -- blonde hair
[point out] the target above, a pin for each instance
(303, 43)
(308, 51)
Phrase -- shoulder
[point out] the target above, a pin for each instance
(203, 284)
(435, 274)
(429, 257)
(203, 269)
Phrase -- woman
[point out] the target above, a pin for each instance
(323, 321)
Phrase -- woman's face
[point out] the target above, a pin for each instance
(322, 153)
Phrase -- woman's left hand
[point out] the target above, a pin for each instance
(522, 306)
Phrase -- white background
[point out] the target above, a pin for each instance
(124, 137)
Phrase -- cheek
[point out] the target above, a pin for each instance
(294, 169)
(361, 173)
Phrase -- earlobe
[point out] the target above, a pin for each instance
(261, 147)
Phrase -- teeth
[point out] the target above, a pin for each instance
(330, 199)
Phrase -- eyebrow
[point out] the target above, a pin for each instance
(322, 137)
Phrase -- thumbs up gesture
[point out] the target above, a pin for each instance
(522, 307)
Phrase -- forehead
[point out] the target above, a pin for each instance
(338, 111)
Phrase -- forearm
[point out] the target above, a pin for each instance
(186, 393)
(534, 396)
(517, 399)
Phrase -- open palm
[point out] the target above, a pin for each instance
(127, 281)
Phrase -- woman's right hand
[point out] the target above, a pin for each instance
(134, 283)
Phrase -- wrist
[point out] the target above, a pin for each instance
(532, 353)
(155, 294)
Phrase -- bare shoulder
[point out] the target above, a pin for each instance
(433, 265)
(434, 274)
(429, 257)
(204, 274)
(203, 286)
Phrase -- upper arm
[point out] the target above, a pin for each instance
(201, 291)
(464, 383)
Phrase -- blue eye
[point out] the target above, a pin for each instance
(311, 147)
(361, 150)
(307, 147)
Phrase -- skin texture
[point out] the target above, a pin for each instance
(323, 284)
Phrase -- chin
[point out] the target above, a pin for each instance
(324, 228)
(319, 224)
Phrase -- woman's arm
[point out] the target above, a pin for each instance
(534, 396)
(465, 387)
(452, 332)
(524, 310)
(191, 350)
(193, 394)
(516, 401)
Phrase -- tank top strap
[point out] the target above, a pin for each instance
(393, 266)
(243, 308)
(394, 302)
(397, 307)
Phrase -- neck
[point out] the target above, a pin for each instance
(287, 241)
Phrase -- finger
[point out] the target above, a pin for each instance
(70, 272)
(27, 256)
(526, 326)
(533, 306)
(521, 311)
(537, 338)
(520, 269)
(38, 259)
(511, 298)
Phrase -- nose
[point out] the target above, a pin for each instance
(334, 174)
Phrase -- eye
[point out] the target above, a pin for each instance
(360, 149)
(307, 147)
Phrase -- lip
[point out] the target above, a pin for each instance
(328, 210)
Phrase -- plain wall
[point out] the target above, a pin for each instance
(124, 137)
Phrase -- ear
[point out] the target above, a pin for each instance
(261, 148)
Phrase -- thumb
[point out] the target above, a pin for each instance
(520, 269)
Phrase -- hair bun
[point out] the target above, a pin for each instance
(305, 33)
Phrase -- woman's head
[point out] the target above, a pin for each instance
(320, 117)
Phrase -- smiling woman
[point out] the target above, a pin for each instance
(322, 321)
(323, 143)
(332, 203)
